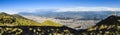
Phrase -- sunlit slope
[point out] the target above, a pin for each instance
(50, 23)
(15, 20)
(108, 26)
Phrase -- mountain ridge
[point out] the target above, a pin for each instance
(108, 26)
(11, 20)
(17, 20)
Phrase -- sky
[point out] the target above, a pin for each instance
(15, 6)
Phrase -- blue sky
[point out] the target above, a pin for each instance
(48, 4)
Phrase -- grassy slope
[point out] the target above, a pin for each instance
(50, 23)
(17, 20)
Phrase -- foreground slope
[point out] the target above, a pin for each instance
(108, 26)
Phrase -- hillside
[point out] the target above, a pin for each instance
(71, 14)
(108, 26)
(50, 23)
(15, 20)
(18, 25)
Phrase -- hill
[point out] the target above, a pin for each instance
(50, 23)
(15, 20)
(109, 26)
(18, 25)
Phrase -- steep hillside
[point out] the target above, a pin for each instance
(109, 26)
(15, 20)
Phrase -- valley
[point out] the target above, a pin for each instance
(72, 23)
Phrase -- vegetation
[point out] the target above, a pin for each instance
(50, 23)
(34, 30)
(15, 20)
(109, 26)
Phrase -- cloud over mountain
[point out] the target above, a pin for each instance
(88, 9)
(70, 9)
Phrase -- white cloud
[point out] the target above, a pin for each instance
(14, 11)
(9, 11)
(88, 9)
(73, 9)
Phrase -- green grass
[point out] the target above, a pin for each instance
(50, 23)
(16, 20)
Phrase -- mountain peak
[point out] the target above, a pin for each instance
(110, 20)
(110, 24)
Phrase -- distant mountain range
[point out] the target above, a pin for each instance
(90, 15)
